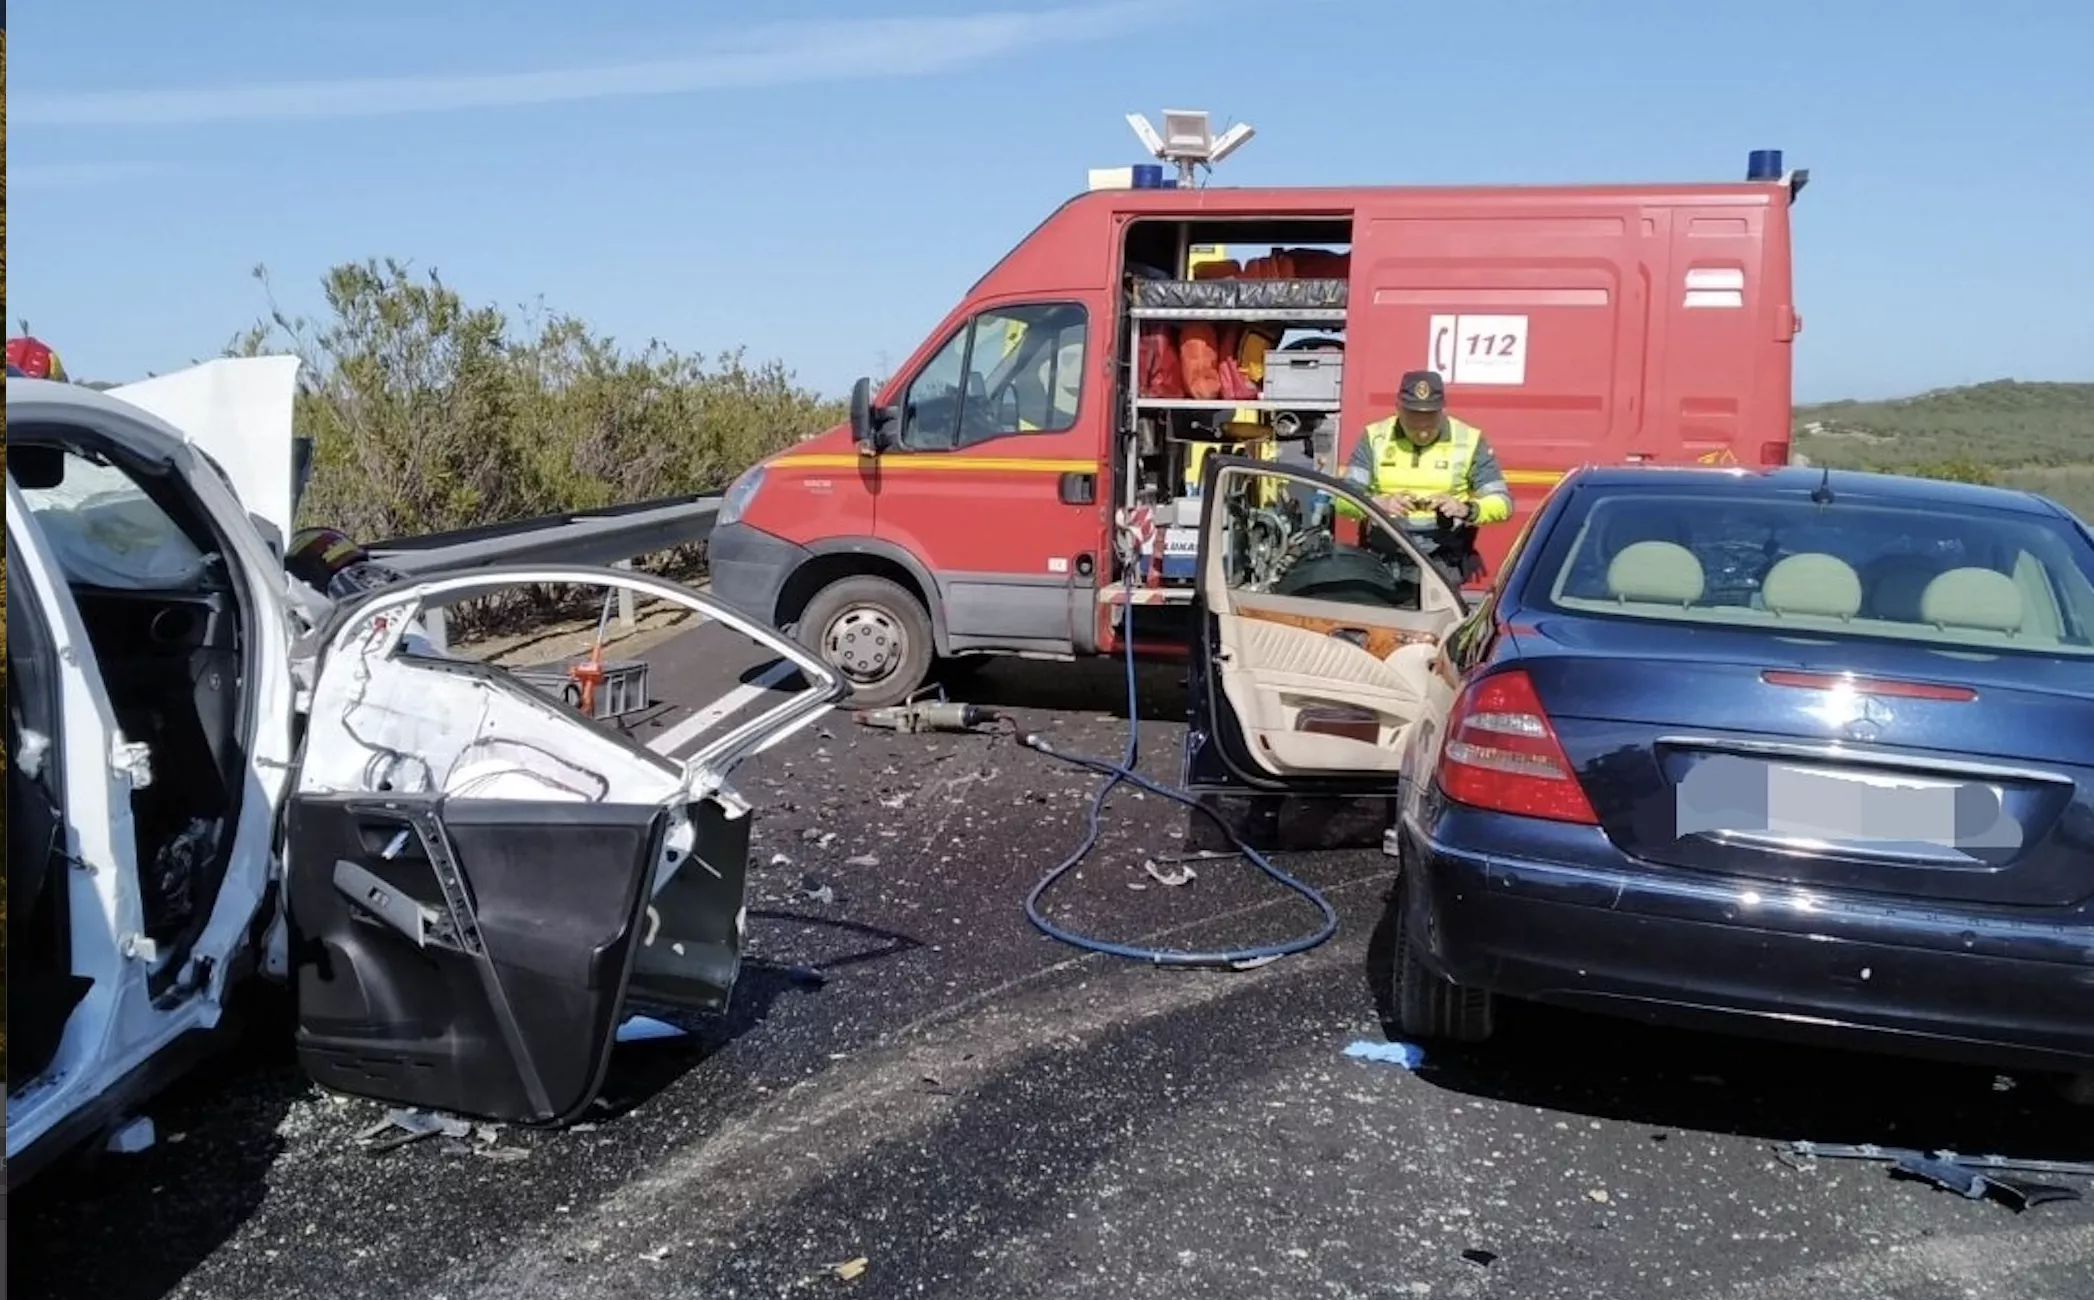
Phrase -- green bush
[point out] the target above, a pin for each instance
(430, 414)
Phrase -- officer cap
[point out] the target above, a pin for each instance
(1422, 390)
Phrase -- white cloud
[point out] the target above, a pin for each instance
(779, 55)
(50, 177)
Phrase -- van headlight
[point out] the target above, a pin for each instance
(739, 495)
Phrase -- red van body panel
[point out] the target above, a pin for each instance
(1574, 325)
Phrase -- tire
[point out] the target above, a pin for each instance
(875, 633)
(1428, 1007)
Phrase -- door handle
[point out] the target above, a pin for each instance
(1355, 636)
(405, 915)
(1079, 489)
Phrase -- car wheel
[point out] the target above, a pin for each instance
(1427, 1006)
(875, 634)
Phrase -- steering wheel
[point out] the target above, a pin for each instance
(1350, 575)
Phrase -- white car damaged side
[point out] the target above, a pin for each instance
(469, 768)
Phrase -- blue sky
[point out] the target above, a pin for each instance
(821, 184)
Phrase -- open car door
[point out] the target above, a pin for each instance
(479, 873)
(1312, 654)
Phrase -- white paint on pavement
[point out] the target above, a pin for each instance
(712, 715)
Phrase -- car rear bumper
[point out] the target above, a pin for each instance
(1699, 951)
(749, 568)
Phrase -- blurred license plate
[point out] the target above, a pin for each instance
(1824, 804)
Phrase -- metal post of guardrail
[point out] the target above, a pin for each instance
(628, 617)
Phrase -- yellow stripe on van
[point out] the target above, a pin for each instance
(940, 461)
(1028, 465)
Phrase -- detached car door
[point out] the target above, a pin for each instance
(479, 874)
(1312, 658)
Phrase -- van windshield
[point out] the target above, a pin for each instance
(1942, 573)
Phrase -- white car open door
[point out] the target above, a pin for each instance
(74, 931)
(479, 872)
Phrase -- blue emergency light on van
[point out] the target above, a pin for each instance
(1148, 176)
(1763, 165)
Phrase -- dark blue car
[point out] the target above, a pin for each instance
(1791, 752)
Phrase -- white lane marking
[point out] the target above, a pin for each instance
(683, 733)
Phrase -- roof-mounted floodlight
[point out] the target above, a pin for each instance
(1231, 140)
(1147, 134)
(1188, 140)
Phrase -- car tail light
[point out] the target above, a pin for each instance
(1869, 686)
(1502, 755)
(1774, 454)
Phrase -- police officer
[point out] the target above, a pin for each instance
(1434, 474)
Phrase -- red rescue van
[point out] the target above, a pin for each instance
(991, 497)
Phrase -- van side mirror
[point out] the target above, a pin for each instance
(868, 422)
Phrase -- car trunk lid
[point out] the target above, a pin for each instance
(1903, 770)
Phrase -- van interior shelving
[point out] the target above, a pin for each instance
(1233, 337)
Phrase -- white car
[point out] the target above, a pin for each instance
(215, 771)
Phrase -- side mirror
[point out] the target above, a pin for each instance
(868, 422)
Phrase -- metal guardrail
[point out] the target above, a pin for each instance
(607, 536)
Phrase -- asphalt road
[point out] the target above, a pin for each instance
(974, 1111)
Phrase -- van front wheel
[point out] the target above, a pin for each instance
(875, 634)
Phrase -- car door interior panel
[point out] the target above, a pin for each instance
(1321, 651)
(43, 989)
(503, 1000)
(691, 952)
(1282, 680)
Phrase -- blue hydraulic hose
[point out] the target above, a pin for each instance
(1123, 771)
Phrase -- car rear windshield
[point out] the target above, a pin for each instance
(1941, 573)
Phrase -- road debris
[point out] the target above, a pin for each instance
(1985, 1164)
(816, 891)
(1407, 1055)
(1479, 1257)
(2017, 1194)
(1975, 1178)
(851, 1269)
(647, 1029)
(402, 1126)
(133, 1136)
(1183, 876)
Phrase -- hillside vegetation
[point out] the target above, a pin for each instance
(430, 413)
(2034, 436)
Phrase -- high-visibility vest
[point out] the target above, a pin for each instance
(1402, 468)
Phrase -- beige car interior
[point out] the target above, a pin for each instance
(1281, 677)
(1965, 607)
